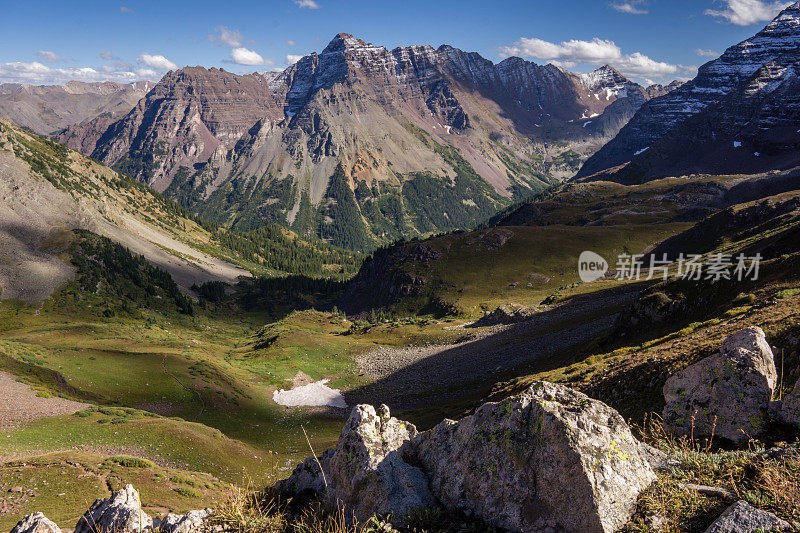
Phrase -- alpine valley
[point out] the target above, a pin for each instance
(403, 291)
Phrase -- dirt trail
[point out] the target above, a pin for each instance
(412, 377)
(20, 405)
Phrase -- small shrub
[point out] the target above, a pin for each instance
(187, 492)
(129, 461)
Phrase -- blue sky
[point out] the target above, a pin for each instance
(648, 40)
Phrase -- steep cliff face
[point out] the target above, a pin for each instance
(424, 139)
(714, 82)
(755, 128)
(47, 108)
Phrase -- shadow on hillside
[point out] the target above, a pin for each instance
(421, 377)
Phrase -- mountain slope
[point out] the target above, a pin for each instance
(48, 108)
(51, 190)
(256, 149)
(715, 81)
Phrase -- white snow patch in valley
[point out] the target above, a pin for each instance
(737, 144)
(643, 150)
(594, 115)
(316, 394)
(587, 123)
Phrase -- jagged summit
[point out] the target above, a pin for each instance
(345, 41)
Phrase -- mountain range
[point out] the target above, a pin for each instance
(48, 108)
(739, 115)
(360, 144)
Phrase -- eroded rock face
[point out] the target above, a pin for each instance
(121, 513)
(36, 523)
(366, 474)
(726, 394)
(548, 456)
(741, 517)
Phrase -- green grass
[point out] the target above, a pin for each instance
(63, 486)
(532, 264)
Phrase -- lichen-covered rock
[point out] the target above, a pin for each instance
(741, 517)
(365, 474)
(191, 522)
(726, 394)
(36, 523)
(548, 456)
(121, 513)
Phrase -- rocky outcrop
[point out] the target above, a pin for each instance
(365, 474)
(191, 522)
(121, 513)
(736, 69)
(725, 395)
(741, 517)
(36, 523)
(550, 457)
(506, 314)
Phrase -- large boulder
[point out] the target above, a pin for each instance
(36, 523)
(741, 517)
(726, 394)
(365, 474)
(191, 522)
(121, 513)
(550, 457)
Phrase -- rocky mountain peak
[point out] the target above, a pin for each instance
(605, 78)
(342, 42)
(714, 82)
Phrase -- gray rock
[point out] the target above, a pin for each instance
(550, 457)
(726, 394)
(36, 523)
(741, 517)
(121, 513)
(506, 314)
(790, 407)
(191, 522)
(366, 474)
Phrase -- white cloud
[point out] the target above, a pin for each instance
(157, 62)
(631, 7)
(227, 37)
(147, 73)
(310, 4)
(746, 12)
(39, 73)
(50, 57)
(290, 43)
(707, 53)
(107, 55)
(124, 9)
(243, 56)
(596, 52)
(291, 59)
